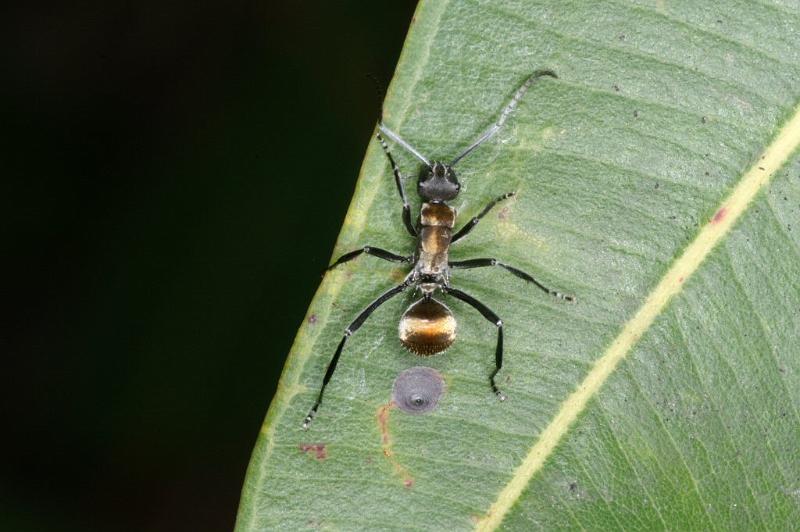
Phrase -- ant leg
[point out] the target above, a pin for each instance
(398, 179)
(507, 110)
(353, 327)
(480, 263)
(495, 319)
(464, 231)
(375, 252)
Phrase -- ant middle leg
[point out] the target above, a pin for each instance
(480, 263)
(464, 231)
(353, 327)
(375, 252)
(495, 319)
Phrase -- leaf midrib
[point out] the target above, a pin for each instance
(771, 160)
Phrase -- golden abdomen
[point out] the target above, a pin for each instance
(427, 327)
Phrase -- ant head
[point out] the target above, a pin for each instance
(438, 182)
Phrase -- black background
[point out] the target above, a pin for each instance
(174, 178)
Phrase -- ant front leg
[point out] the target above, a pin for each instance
(464, 231)
(398, 179)
(375, 252)
(353, 327)
(481, 263)
(487, 313)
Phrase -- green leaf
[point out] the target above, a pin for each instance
(656, 181)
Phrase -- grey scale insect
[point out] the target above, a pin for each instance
(428, 326)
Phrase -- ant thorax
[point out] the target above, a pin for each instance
(436, 222)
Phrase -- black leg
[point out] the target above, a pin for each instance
(398, 179)
(464, 231)
(375, 252)
(353, 327)
(480, 263)
(495, 319)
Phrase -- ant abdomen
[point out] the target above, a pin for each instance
(428, 327)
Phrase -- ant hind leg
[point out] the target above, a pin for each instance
(489, 314)
(353, 327)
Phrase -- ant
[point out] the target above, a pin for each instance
(428, 327)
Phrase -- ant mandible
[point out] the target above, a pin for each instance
(428, 327)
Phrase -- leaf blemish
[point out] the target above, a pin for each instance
(417, 390)
(383, 425)
(720, 215)
(382, 417)
(318, 449)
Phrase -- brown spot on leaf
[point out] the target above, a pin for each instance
(383, 421)
(318, 450)
(312, 319)
(382, 417)
(720, 215)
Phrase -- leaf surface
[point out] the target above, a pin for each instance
(656, 180)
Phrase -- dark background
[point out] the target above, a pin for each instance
(174, 178)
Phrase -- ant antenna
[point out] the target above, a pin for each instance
(388, 132)
(409, 148)
(380, 88)
(489, 133)
(380, 92)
